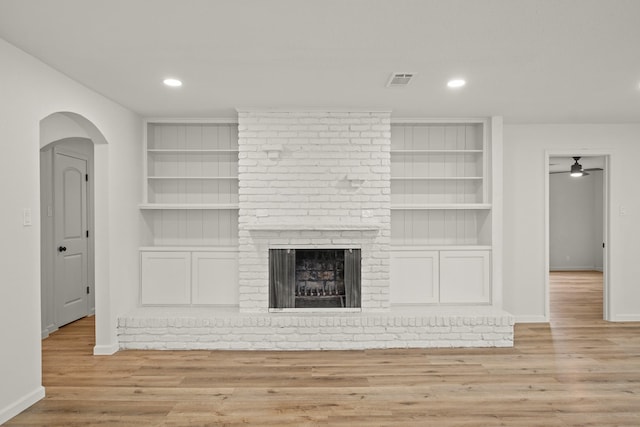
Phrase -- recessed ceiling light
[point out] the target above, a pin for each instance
(455, 83)
(172, 82)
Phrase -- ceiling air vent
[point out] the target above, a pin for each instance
(400, 79)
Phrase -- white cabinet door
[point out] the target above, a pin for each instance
(215, 278)
(165, 278)
(465, 277)
(414, 277)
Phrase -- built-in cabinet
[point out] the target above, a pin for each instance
(189, 277)
(440, 213)
(165, 277)
(446, 276)
(415, 277)
(465, 276)
(190, 213)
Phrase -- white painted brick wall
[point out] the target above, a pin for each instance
(313, 168)
(322, 332)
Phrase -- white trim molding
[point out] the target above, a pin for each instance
(21, 404)
(625, 318)
(106, 350)
(531, 319)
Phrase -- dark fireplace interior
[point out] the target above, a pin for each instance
(314, 278)
(319, 278)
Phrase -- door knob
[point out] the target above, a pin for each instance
(62, 248)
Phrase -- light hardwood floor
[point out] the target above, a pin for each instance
(576, 371)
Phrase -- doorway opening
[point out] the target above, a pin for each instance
(67, 244)
(577, 224)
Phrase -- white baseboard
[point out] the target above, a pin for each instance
(49, 330)
(626, 318)
(106, 350)
(21, 404)
(531, 319)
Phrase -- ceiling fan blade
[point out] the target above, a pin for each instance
(584, 172)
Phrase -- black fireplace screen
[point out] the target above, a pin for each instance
(314, 278)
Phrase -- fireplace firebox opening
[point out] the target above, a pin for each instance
(314, 278)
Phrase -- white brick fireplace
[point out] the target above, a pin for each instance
(315, 180)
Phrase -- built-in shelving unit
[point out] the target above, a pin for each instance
(188, 254)
(191, 183)
(440, 213)
(439, 191)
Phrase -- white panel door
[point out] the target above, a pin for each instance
(165, 278)
(215, 278)
(70, 222)
(465, 277)
(414, 277)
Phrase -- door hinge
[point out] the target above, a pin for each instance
(87, 233)
(86, 177)
(87, 290)
(603, 244)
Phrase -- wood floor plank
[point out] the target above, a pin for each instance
(578, 370)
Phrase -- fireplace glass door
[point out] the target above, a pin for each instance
(314, 278)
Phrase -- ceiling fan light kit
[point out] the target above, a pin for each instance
(576, 169)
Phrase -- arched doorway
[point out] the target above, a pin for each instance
(63, 128)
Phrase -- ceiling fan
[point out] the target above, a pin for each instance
(577, 170)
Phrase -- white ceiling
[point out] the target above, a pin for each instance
(529, 60)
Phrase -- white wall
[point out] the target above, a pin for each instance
(575, 221)
(524, 210)
(30, 92)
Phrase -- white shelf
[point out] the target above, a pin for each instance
(188, 248)
(189, 151)
(193, 177)
(436, 151)
(441, 247)
(312, 227)
(448, 206)
(192, 206)
(436, 178)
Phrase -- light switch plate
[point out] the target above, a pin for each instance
(26, 217)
